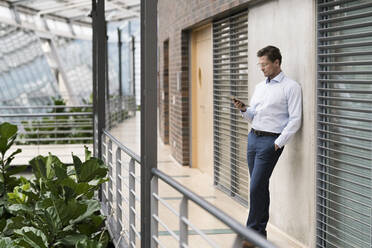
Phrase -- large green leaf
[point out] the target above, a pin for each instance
(72, 240)
(20, 242)
(69, 211)
(34, 237)
(88, 154)
(78, 188)
(86, 243)
(52, 219)
(16, 170)
(7, 132)
(11, 141)
(17, 196)
(11, 182)
(91, 169)
(52, 187)
(3, 145)
(78, 165)
(92, 207)
(2, 224)
(20, 209)
(49, 168)
(38, 165)
(15, 152)
(93, 225)
(6, 242)
(16, 222)
(10, 158)
(61, 171)
(44, 204)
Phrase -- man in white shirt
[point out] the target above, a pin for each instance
(275, 115)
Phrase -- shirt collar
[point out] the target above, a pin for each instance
(276, 79)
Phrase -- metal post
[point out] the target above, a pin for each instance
(183, 226)
(148, 112)
(103, 188)
(132, 203)
(154, 211)
(108, 102)
(134, 68)
(93, 15)
(120, 43)
(15, 14)
(119, 212)
(120, 65)
(110, 188)
(71, 28)
(99, 70)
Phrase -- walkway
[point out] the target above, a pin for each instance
(128, 133)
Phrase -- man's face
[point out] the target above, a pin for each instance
(268, 68)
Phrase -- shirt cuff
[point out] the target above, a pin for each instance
(248, 114)
(280, 141)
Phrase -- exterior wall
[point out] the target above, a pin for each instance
(290, 25)
(175, 19)
(163, 97)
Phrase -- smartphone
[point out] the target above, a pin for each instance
(234, 99)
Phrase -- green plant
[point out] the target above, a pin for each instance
(48, 130)
(8, 181)
(58, 207)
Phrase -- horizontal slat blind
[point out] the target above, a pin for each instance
(230, 76)
(344, 187)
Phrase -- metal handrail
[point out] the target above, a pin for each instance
(46, 114)
(49, 125)
(229, 221)
(123, 147)
(45, 106)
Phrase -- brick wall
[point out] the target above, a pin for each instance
(163, 100)
(176, 19)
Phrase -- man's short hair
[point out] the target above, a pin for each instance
(272, 53)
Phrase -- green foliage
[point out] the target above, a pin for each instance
(57, 208)
(46, 129)
(8, 181)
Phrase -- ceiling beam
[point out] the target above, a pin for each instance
(20, 2)
(62, 8)
(124, 8)
(122, 18)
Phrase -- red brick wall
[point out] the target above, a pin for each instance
(176, 19)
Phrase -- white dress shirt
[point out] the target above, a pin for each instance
(276, 107)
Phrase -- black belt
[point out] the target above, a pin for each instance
(263, 133)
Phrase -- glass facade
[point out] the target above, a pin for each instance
(76, 61)
(30, 74)
(25, 76)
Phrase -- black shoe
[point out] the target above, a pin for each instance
(247, 244)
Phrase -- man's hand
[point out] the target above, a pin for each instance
(239, 104)
(276, 147)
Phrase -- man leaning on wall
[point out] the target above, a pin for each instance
(274, 112)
